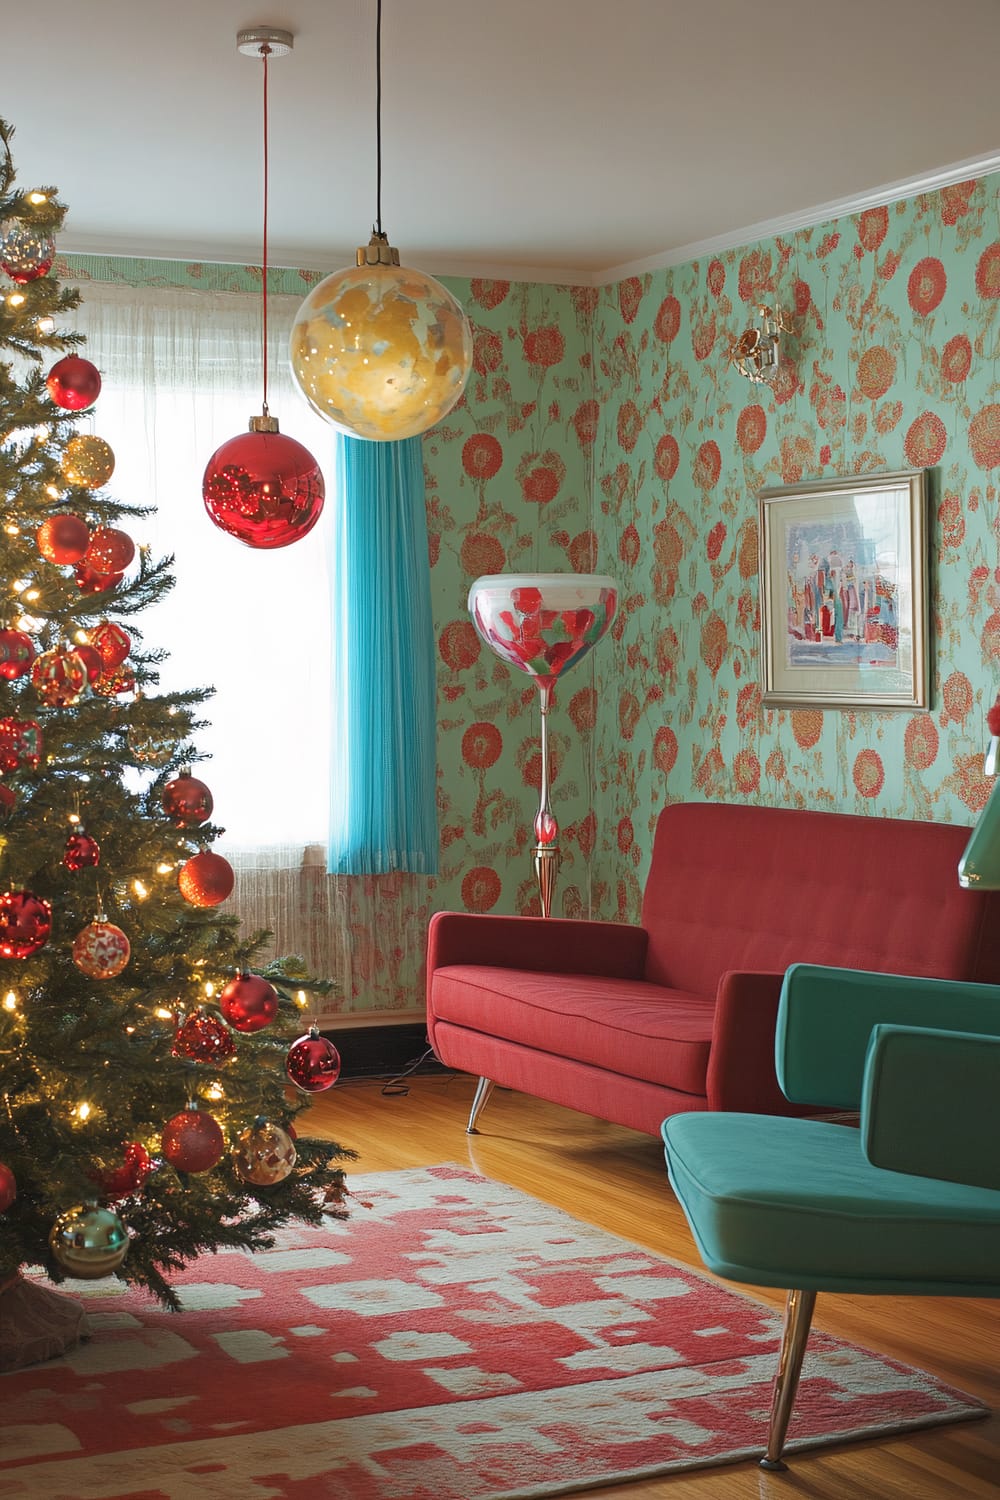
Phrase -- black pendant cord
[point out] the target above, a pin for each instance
(378, 116)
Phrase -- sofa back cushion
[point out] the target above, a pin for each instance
(759, 888)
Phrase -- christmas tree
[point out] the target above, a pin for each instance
(146, 1107)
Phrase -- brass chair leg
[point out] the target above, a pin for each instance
(798, 1316)
(484, 1089)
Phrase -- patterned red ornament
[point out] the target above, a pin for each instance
(193, 1141)
(264, 1154)
(263, 488)
(112, 642)
(20, 744)
(110, 550)
(206, 879)
(8, 1187)
(101, 950)
(111, 684)
(92, 663)
(203, 1038)
(81, 852)
(63, 539)
(74, 383)
(136, 1166)
(25, 924)
(58, 677)
(313, 1063)
(249, 1003)
(17, 652)
(25, 252)
(90, 582)
(187, 800)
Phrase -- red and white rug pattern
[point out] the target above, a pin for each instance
(455, 1341)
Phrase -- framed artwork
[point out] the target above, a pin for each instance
(843, 592)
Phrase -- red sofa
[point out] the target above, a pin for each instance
(635, 1023)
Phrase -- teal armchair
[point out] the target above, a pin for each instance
(906, 1202)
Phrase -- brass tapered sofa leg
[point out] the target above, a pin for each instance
(484, 1089)
(798, 1317)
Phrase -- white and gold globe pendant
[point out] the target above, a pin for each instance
(380, 350)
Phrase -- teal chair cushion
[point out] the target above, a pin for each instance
(782, 1202)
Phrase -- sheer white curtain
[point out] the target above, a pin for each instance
(182, 373)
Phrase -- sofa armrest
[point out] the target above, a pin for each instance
(548, 945)
(741, 1072)
(930, 1104)
(826, 1017)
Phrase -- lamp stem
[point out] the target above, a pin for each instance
(545, 854)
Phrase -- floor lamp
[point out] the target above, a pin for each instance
(543, 624)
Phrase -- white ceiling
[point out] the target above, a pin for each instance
(548, 139)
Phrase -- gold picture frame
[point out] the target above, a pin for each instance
(843, 592)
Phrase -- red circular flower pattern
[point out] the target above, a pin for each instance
(482, 456)
(480, 889)
(666, 324)
(459, 645)
(925, 440)
(583, 710)
(873, 225)
(707, 465)
(956, 695)
(748, 705)
(988, 271)
(630, 546)
(920, 742)
(951, 520)
(664, 749)
(746, 772)
(667, 457)
(868, 773)
(716, 277)
(540, 476)
(544, 347)
(489, 293)
(751, 428)
(629, 297)
(876, 372)
(984, 437)
(716, 540)
(927, 285)
(629, 425)
(481, 745)
(626, 835)
(714, 643)
(585, 421)
(487, 351)
(807, 726)
(482, 554)
(956, 358)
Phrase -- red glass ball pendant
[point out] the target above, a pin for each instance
(63, 539)
(112, 641)
(206, 879)
(92, 663)
(91, 582)
(101, 950)
(193, 1141)
(74, 383)
(17, 652)
(202, 1038)
(110, 550)
(263, 488)
(81, 852)
(25, 924)
(136, 1166)
(186, 800)
(313, 1063)
(249, 1003)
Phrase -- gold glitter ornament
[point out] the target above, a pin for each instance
(264, 1154)
(87, 462)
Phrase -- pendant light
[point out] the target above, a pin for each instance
(380, 350)
(262, 487)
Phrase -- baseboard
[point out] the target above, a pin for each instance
(383, 1051)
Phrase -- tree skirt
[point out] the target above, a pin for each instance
(453, 1341)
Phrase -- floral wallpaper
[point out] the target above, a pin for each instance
(605, 430)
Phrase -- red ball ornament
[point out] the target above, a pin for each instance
(187, 800)
(111, 684)
(91, 582)
(249, 1003)
(136, 1166)
(58, 677)
(81, 852)
(110, 550)
(263, 488)
(193, 1141)
(17, 652)
(8, 1187)
(112, 642)
(101, 950)
(92, 664)
(74, 383)
(313, 1063)
(63, 539)
(202, 1038)
(25, 252)
(206, 879)
(25, 924)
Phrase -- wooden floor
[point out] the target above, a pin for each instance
(616, 1178)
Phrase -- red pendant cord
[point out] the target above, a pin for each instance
(265, 50)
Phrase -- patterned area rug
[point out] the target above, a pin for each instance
(455, 1340)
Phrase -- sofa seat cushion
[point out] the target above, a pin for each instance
(795, 1203)
(627, 1026)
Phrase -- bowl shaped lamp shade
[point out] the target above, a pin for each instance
(382, 352)
(263, 488)
(542, 623)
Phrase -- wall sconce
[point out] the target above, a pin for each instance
(756, 353)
